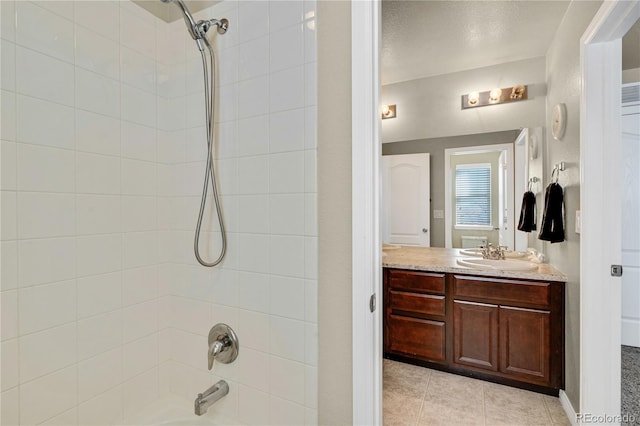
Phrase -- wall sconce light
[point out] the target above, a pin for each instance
(495, 96)
(388, 111)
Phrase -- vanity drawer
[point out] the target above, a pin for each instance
(416, 337)
(426, 304)
(503, 292)
(424, 282)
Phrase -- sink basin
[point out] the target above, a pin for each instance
(497, 265)
(508, 254)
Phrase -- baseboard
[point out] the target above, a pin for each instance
(568, 408)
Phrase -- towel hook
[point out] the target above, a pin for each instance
(560, 167)
(532, 180)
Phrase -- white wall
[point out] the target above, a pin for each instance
(631, 75)
(430, 107)
(80, 258)
(563, 77)
(101, 176)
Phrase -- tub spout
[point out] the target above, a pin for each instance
(210, 396)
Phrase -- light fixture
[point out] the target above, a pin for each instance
(388, 111)
(495, 96)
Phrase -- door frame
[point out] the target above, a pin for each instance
(448, 216)
(600, 195)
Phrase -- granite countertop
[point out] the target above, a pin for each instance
(436, 259)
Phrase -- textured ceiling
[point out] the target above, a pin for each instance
(426, 38)
(631, 48)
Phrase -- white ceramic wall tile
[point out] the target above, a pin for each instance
(184, 349)
(9, 272)
(55, 85)
(253, 406)
(55, 123)
(141, 320)
(287, 89)
(45, 261)
(139, 213)
(139, 392)
(310, 173)
(310, 128)
(253, 58)
(253, 175)
(137, 33)
(311, 258)
(8, 66)
(45, 169)
(137, 70)
(138, 142)
(46, 215)
(99, 334)
(191, 315)
(99, 374)
(311, 344)
(139, 285)
(9, 212)
(97, 53)
(227, 140)
(10, 406)
(138, 177)
(227, 66)
(104, 409)
(171, 146)
(185, 379)
(283, 14)
(286, 338)
(171, 79)
(253, 97)
(64, 9)
(287, 255)
(286, 172)
(103, 17)
(254, 329)
(253, 20)
(196, 143)
(46, 306)
(97, 133)
(310, 42)
(97, 214)
(97, 93)
(68, 418)
(8, 14)
(139, 356)
(311, 301)
(9, 166)
(10, 364)
(253, 213)
(9, 315)
(228, 176)
(286, 130)
(286, 379)
(8, 130)
(230, 109)
(286, 48)
(311, 214)
(61, 351)
(287, 297)
(286, 214)
(172, 113)
(253, 291)
(97, 174)
(310, 84)
(98, 294)
(252, 371)
(139, 249)
(56, 393)
(285, 413)
(44, 31)
(138, 106)
(252, 252)
(99, 254)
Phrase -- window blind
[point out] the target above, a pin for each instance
(473, 194)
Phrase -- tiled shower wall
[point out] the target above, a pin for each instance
(103, 307)
(266, 287)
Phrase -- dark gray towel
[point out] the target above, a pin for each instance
(527, 221)
(552, 227)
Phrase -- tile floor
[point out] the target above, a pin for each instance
(419, 396)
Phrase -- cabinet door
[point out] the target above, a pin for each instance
(525, 344)
(475, 334)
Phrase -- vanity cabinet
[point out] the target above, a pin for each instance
(509, 331)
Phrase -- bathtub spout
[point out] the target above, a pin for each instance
(210, 396)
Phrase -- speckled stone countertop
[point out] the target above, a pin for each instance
(436, 259)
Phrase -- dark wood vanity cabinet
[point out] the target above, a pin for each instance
(505, 330)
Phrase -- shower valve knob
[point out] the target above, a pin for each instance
(223, 345)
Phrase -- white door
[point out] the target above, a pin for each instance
(631, 226)
(405, 199)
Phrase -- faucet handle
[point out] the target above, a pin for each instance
(223, 345)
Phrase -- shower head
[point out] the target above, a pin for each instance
(192, 27)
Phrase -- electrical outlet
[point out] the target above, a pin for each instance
(578, 222)
(438, 214)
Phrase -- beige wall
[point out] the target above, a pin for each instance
(435, 147)
(334, 213)
(563, 85)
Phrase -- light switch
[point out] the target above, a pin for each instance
(438, 214)
(578, 221)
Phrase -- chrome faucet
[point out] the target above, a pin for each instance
(223, 345)
(210, 396)
(491, 252)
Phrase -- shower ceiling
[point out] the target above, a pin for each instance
(170, 13)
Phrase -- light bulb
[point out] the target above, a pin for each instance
(494, 95)
(385, 110)
(473, 98)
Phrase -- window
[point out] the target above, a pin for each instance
(473, 195)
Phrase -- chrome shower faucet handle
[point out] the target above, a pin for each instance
(223, 345)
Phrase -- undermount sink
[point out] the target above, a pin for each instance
(497, 265)
(508, 253)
